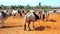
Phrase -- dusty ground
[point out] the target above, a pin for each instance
(15, 26)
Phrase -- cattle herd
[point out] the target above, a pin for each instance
(30, 15)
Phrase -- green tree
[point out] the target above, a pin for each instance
(28, 7)
(2, 6)
(39, 5)
(13, 7)
(21, 7)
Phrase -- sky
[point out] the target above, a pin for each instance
(54, 3)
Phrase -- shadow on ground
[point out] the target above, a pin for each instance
(11, 26)
(41, 28)
(52, 20)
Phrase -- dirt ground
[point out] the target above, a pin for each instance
(15, 26)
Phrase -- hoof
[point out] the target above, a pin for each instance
(29, 29)
(33, 26)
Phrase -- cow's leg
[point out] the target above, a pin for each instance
(13, 15)
(33, 24)
(2, 23)
(29, 25)
(40, 16)
(24, 26)
(25, 20)
(43, 17)
(20, 14)
(47, 17)
(17, 14)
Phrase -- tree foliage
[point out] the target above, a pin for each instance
(27, 7)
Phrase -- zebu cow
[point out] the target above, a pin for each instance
(3, 16)
(30, 17)
(58, 12)
(41, 14)
(20, 13)
(47, 13)
(44, 15)
(25, 11)
(14, 13)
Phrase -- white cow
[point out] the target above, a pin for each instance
(3, 16)
(30, 17)
(14, 13)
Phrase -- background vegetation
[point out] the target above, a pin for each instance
(28, 7)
